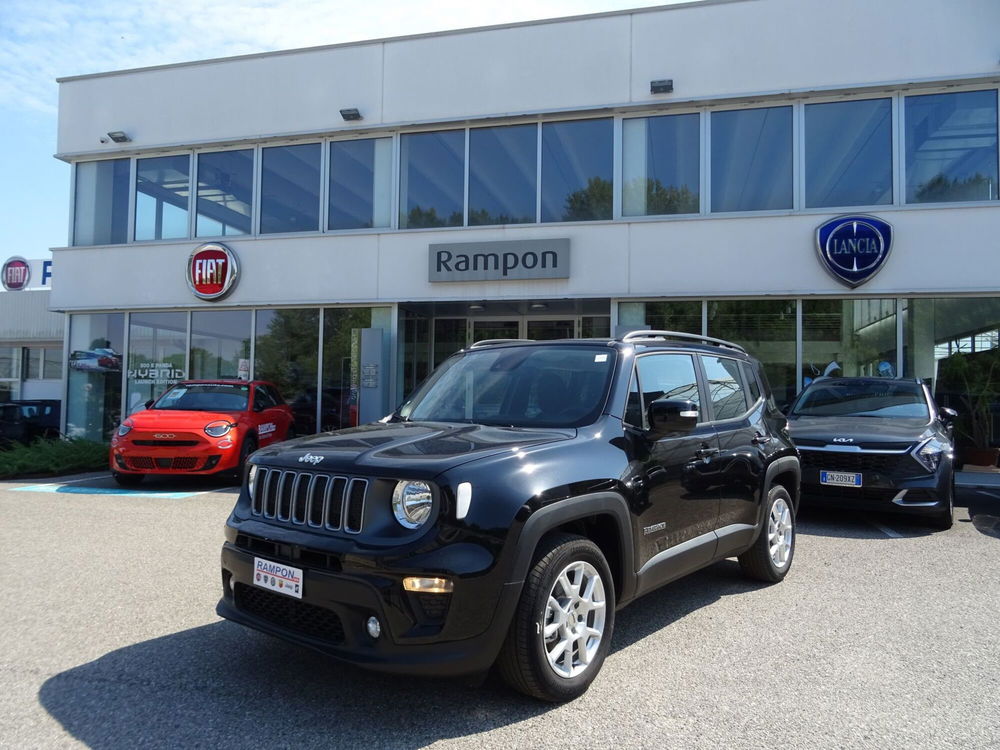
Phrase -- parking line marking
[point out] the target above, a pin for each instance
(891, 533)
(60, 488)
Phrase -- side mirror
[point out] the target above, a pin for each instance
(670, 416)
(150, 403)
(947, 415)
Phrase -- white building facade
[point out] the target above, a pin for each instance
(389, 202)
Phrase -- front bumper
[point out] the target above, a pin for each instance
(928, 494)
(191, 455)
(340, 592)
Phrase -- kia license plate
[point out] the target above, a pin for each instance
(840, 478)
(278, 577)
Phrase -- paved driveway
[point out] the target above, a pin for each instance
(883, 635)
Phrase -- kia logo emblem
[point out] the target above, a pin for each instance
(843, 440)
(212, 270)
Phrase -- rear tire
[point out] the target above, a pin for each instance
(770, 557)
(128, 480)
(561, 631)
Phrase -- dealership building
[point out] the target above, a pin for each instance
(815, 180)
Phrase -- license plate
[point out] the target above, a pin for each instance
(840, 478)
(277, 577)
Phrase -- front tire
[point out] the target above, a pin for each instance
(770, 557)
(248, 446)
(944, 520)
(562, 627)
(128, 480)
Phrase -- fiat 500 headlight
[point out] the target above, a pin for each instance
(411, 503)
(125, 428)
(218, 428)
(929, 453)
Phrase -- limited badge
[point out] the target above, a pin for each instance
(854, 248)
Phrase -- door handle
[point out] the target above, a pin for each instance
(760, 439)
(706, 452)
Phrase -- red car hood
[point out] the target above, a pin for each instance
(170, 419)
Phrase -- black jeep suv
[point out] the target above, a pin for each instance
(503, 513)
(877, 444)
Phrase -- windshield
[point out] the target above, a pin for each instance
(204, 397)
(863, 399)
(525, 386)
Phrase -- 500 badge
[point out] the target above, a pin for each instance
(212, 271)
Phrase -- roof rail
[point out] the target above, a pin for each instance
(494, 342)
(640, 335)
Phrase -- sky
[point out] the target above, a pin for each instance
(42, 41)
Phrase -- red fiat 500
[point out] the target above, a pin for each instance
(199, 427)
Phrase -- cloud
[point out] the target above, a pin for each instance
(42, 41)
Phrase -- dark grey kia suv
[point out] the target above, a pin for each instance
(877, 444)
(503, 513)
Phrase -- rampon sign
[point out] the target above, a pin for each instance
(854, 248)
(500, 261)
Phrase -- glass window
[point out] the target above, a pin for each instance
(220, 344)
(752, 159)
(725, 387)
(450, 335)
(595, 327)
(577, 170)
(431, 179)
(32, 359)
(751, 380)
(52, 364)
(674, 316)
(844, 337)
(951, 147)
(100, 211)
(360, 183)
(849, 153)
(262, 398)
(157, 348)
(341, 365)
(669, 376)
(661, 165)
(502, 174)
(94, 393)
(954, 344)
(225, 193)
(287, 354)
(766, 328)
(10, 362)
(289, 188)
(162, 188)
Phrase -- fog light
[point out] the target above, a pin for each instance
(374, 627)
(429, 585)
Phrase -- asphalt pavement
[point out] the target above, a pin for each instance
(883, 635)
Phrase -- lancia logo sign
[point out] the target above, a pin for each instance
(854, 248)
(211, 271)
(15, 274)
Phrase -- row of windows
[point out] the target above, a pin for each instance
(558, 171)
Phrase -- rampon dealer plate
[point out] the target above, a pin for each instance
(278, 577)
(840, 478)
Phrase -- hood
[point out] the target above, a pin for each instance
(424, 448)
(170, 419)
(860, 431)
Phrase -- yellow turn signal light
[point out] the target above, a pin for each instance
(428, 585)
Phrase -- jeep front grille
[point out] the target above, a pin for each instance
(306, 499)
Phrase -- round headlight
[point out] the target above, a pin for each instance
(125, 428)
(218, 428)
(411, 503)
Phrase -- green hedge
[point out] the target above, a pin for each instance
(53, 457)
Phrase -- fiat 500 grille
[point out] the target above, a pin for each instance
(306, 499)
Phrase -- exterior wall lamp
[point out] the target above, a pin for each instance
(350, 114)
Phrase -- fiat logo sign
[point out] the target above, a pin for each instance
(211, 271)
(15, 274)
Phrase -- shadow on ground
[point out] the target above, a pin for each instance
(222, 686)
(983, 504)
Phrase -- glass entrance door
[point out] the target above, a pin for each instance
(540, 329)
(484, 329)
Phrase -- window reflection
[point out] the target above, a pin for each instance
(752, 159)
(225, 193)
(220, 344)
(94, 390)
(577, 170)
(502, 174)
(289, 189)
(951, 147)
(843, 337)
(848, 153)
(431, 179)
(661, 165)
(100, 215)
(162, 188)
(360, 183)
(287, 354)
(157, 344)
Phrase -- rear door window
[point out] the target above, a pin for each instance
(725, 387)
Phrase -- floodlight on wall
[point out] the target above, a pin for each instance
(118, 136)
(663, 86)
(350, 114)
